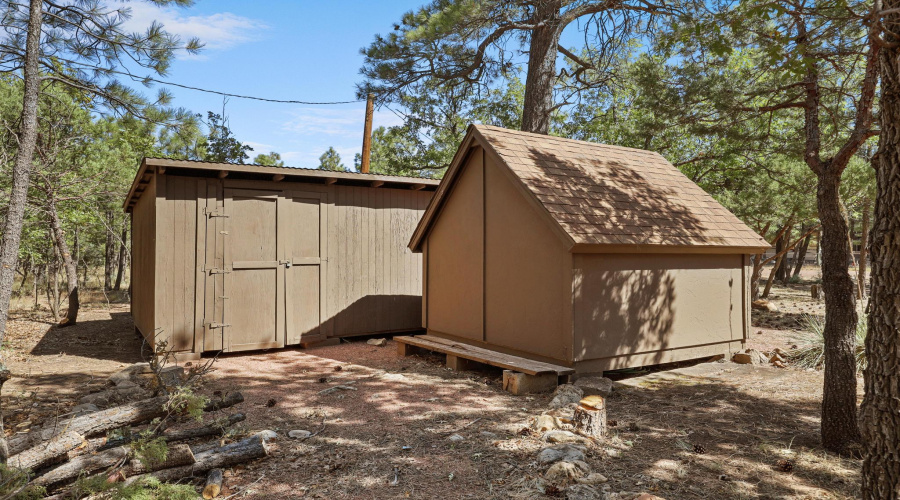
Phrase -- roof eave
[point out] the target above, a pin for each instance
(658, 249)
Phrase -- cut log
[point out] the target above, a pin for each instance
(228, 401)
(213, 484)
(85, 464)
(46, 453)
(590, 417)
(221, 458)
(93, 424)
(178, 455)
(207, 430)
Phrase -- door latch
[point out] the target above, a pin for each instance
(213, 326)
(287, 264)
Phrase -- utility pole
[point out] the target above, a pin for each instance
(367, 135)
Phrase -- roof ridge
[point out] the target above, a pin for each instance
(565, 139)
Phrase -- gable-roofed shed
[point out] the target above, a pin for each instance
(587, 255)
(237, 257)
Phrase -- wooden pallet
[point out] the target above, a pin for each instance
(459, 350)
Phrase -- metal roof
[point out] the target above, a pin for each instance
(151, 166)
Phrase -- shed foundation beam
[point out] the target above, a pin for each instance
(320, 343)
(459, 364)
(522, 383)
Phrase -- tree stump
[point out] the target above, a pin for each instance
(590, 417)
(814, 291)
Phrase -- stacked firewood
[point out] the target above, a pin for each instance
(61, 452)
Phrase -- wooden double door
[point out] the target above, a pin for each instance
(269, 289)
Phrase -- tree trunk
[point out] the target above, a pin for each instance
(109, 254)
(772, 273)
(213, 485)
(755, 276)
(53, 284)
(781, 263)
(880, 411)
(839, 422)
(68, 263)
(21, 177)
(122, 252)
(863, 252)
(539, 82)
(37, 291)
(177, 455)
(801, 255)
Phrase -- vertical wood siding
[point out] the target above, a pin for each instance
(374, 280)
(176, 260)
(143, 261)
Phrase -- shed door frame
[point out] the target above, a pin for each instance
(288, 196)
(230, 266)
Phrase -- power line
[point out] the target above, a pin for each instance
(227, 94)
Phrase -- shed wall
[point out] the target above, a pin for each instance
(143, 261)
(633, 309)
(176, 260)
(373, 281)
(496, 273)
(455, 258)
(528, 274)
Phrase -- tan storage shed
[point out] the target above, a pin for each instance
(239, 257)
(580, 254)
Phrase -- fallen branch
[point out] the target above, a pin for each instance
(85, 464)
(45, 453)
(228, 401)
(176, 456)
(213, 485)
(93, 424)
(227, 456)
(213, 429)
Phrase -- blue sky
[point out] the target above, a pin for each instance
(296, 50)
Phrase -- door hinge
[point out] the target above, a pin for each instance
(214, 213)
(218, 271)
(212, 326)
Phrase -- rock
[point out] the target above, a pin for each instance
(776, 357)
(114, 396)
(595, 386)
(584, 492)
(456, 438)
(742, 358)
(377, 342)
(84, 409)
(750, 357)
(560, 436)
(764, 305)
(543, 423)
(488, 435)
(128, 372)
(299, 434)
(647, 496)
(126, 384)
(567, 452)
(565, 471)
(593, 478)
(172, 375)
(565, 395)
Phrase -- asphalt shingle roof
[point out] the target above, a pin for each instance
(603, 195)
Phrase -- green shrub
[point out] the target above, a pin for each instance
(144, 489)
(810, 351)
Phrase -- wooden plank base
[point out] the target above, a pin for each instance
(522, 383)
(459, 364)
(481, 355)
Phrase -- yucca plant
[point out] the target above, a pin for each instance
(810, 351)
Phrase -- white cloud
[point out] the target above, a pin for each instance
(217, 31)
(340, 122)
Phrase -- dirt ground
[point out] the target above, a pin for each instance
(387, 434)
